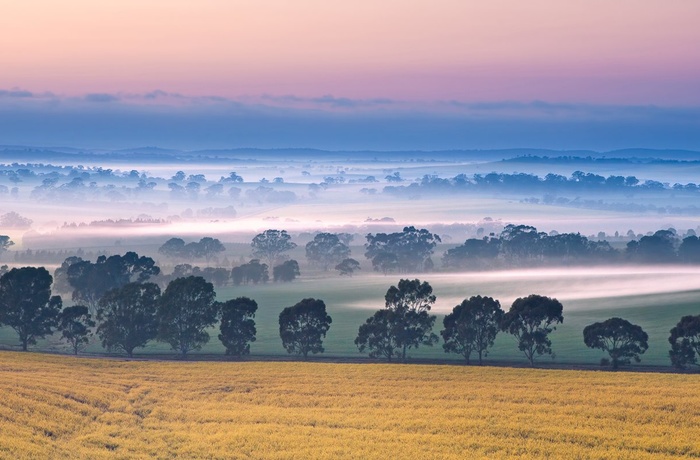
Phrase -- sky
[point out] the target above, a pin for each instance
(365, 74)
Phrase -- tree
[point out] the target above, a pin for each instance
(303, 327)
(657, 248)
(347, 267)
(407, 251)
(474, 253)
(326, 249)
(210, 247)
(271, 245)
(60, 275)
(622, 340)
(237, 325)
(530, 320)
(127, 317)
(408, 326)
(75, 323)
(172, 248)
(472, 327)
(286, 272)
(379, 335)
(187, 307)
(689, 250)
(685, 342)
(252, 271)
(26, 304)
(5, 243)
(521, 242)
(90, 281)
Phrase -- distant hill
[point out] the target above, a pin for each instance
(24, 154)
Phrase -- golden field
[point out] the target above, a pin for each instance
(65, 407)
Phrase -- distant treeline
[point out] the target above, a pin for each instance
(522, 245)
(523, 182)
(572, 159)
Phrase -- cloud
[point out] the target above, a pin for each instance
(173, 120)
(101, 97)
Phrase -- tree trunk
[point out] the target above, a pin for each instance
(24, 344)
(480, 358)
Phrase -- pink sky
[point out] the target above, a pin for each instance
(592, 51)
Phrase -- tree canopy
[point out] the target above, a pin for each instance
(26, 304)
(271, 245)
(74, 323)
(407, 251)
(91, 280)
(326, 250)
(348, 266)
(287, 271)
(238, 325)
(186, 309)
(404, 323)
(303, 327)
(685, 342)
(472, 327)
(622, 340)
(530, 319)
(128, 316)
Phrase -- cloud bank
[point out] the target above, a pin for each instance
(121, 120)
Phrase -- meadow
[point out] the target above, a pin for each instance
(89, 408)
(653, 297)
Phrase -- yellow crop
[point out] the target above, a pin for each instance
(65, 407)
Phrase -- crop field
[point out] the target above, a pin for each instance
(64, 407)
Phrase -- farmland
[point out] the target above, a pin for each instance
(64, 407)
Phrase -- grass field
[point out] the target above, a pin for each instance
(655, 300)
(64, 407)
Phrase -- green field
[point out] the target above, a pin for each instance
(351, 300)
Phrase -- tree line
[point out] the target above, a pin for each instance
(135, 313)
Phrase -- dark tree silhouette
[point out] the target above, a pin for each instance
(74, 323)
(271, 245)
(287, 271)
(173, 248)
(689, 250)
(472, 327)
(657, 248)
(90, 281)
(60, 275)
(5, 243)
(251, 272)
(186, 308)
(237, 325)
(303, 327)
(407, 251)
(622, 340)
(217, 276)
(530, 320)
(379, 335)
(348, 267)
(26, 304)
(326, 250)
(474, 253)
(521, 243)
(685, 342)
(127, 317)
(409, 326)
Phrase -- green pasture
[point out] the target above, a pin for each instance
(351, 300)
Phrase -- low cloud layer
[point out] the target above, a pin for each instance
(174, 120)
